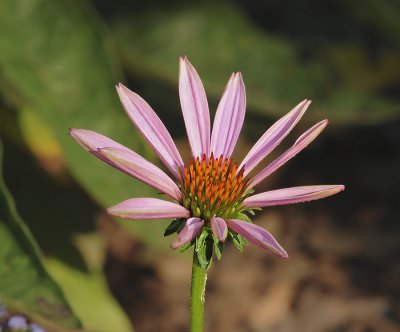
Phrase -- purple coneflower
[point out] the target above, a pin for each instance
(211, 196)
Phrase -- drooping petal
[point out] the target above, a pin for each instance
(219, 228)
(92, 141)
(134, 165)
(257, 235)
(188, 233)
(303, 141)
(229, 117)
(152, 129)
(291, 195)
(273, 136)
(148, 208)
(126, 160)
(194, 108)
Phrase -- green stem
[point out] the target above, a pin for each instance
(199, 277)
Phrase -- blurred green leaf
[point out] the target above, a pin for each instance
(219, 39)
(75, 252)
(57, 60)
(24, 282)
(88, 292)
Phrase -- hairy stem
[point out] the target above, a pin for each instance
(197, 299)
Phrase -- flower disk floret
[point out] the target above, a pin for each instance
(213, 187)
(211, 196)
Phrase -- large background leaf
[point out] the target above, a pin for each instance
(345, 81)
(57, 60)
(25, 285)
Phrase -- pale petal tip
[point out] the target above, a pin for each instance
(73, 131)
(239, 76)
(283, 254)
(174, 245)
(279, 251)
(121, 89)
(335, 189)
(111, 211)
(306, 103)
(183, 60)
(76, 134)
(323, 123)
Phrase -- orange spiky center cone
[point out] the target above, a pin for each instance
(213, 187)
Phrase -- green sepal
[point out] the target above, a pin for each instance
(175, 226)
(238, 240)
(185, 247)
(218, 246)
(204, 249)
(242, 216)
(248, 192)
(242, 240)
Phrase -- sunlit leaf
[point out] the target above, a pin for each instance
(87, 291)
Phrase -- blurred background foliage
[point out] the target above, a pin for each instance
(59, 62)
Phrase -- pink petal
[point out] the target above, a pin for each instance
(152, 129)
(291, 195)
(125, 160)
(92, 142)
(219, 228)
(133, 164)
(302, 142)
(148, 208)
(273, 136)
(229, 118)
(188, 233)
(194, 108)
(257, 235)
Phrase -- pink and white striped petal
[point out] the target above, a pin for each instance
(229, 117)
(257, 235)
(152, 129)
(134, 165)
(219, 228)
(273, 136)
(148, 208)
(194, 108)
(302, 142)
(291, 195)
(188, 233)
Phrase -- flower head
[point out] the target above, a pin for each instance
(211, 196)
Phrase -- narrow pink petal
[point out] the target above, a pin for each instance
(148, 208)
(273, 136)
(92, 142)
(291, 195)
(303, 141)
(219, 228)
(194, 108)
(134, 165)
(152, 129)
(188, 233)
(257, 235)
(229, 117)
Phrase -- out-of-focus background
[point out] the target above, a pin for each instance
(66, 265)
